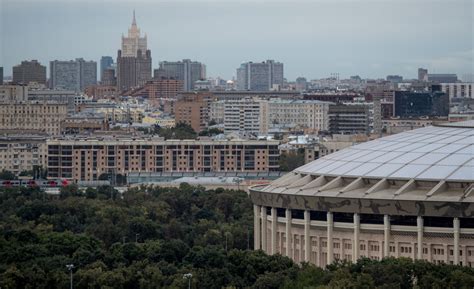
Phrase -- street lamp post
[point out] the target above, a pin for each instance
(188, 276)
(70, 267)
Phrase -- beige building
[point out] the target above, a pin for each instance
(458, 90)
(101, 91)
(86, 158)
(22, 150)
(258, 116)
(9, 93)
(310, 115)
(405, 195)
(193, 109)
(397, 125)
(43, 116)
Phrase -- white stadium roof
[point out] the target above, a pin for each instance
(435, 153)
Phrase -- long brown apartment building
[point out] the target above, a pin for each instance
(87, 158)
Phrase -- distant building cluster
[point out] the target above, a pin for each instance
(86, 122)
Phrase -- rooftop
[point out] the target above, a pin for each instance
(442, 152)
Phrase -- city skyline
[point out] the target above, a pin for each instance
(347, 37)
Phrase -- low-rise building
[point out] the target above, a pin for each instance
(84, 122)
(101, 91)
(88, 157)
(398, 125)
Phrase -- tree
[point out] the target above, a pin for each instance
(70, 190)
(180, 131)
(210, 132)
(291, 160)
(7, 175)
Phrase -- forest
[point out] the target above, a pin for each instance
(150, 237)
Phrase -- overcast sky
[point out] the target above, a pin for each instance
(312, 38)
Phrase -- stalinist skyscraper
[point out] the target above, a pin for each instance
(134, 60)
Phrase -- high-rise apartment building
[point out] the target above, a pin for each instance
(259, 76)
(133, 60)
(29, 71)
(193, 109)
(73, 75)
(309, 115)
(246, 115)
(106, 62)
(259, 116)
(187, 71)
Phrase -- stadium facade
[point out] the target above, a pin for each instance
(404, 195)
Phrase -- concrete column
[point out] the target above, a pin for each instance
(430, 253)
(318, 252)
(446, 252)
(264, 228)
(274, 231)
(301, 248)
(289, 237)
(464, 255)
(456, 226)
(307, 238)
(256, 227)
(356, 243)
(330, 225)
(419, 230)
(386, 235)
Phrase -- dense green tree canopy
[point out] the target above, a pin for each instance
(151, 236)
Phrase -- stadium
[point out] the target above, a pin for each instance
(404, 195)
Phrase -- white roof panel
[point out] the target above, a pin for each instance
(430, 153)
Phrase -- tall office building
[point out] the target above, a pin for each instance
(260, 76)
(106, 62)
(29, 71)
(73, 75)
(133, 60)
(187, 71)
(422, 74)
(1, 75)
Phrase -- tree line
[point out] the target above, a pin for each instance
(149, 237)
